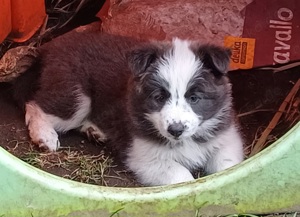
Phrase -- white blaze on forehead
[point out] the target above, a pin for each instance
(179, 67)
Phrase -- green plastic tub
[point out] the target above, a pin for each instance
(269, 182)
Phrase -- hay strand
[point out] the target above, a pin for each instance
(262, 140)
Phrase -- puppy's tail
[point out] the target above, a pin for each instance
(21, 66)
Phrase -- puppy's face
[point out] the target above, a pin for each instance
(179, 87)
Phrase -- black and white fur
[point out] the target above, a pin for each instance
(164, 106)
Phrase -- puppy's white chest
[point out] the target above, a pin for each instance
(160, 164)
(191, 154)
(187, 152)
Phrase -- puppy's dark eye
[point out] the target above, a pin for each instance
(160, 96)
(194, 99)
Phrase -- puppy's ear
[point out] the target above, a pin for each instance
(215, 58)
(141, 58)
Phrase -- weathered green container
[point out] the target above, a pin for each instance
(267, 183)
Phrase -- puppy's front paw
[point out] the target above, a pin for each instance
(159, 172)
(181, 176)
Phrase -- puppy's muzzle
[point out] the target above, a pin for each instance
(176, 129)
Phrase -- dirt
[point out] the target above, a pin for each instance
(264, 92)
(82, 160)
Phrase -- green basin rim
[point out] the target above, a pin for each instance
(234, 190)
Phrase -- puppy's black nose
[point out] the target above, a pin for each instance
(176, 129)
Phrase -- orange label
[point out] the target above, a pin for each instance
(242, 52)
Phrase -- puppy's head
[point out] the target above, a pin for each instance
(180, 90)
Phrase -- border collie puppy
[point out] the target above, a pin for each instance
(166, 107)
